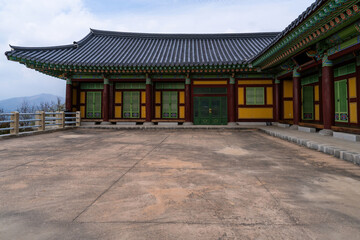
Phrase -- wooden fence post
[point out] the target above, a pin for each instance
(62, 120)
(78, 119)
(40, 115)
(15, 123)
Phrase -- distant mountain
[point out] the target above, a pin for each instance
(12, 104)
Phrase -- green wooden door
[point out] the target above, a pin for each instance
(131, 105)
(210, 110)
(170, 104)
(308, 103)
(341, 101)
(93, 105)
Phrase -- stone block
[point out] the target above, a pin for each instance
(167, 123)
(251, 123)
(326, 132)
(357, 159)
(347, 136)
(283, 125)
(125, 123)
(349, 156)
(307, 129)
(294, 127)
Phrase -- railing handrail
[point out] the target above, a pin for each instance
(13, 122)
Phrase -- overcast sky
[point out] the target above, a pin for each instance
(55, 22)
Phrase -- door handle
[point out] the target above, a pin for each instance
(210, 110)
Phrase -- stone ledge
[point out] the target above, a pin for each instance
(307, 129)
(283, 125)
(353, 157)
(24, 134)
(347, 136)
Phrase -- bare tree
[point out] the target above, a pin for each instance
(26, 107)
(2, 118)
(51, 106)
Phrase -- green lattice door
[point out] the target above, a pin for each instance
(210, 110)
(131, 105)
(308, 103)
(170, 104)
(93, 105)
(341, 101)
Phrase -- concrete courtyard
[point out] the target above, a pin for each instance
(173, 184)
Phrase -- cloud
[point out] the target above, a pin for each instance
(56, 22)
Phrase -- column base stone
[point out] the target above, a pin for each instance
(326, 132)
(148, 123)
(232, 124)
(294, 127)
(188, 124)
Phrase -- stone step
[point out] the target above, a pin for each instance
(307, 129)
(347, 136)
(283, 125)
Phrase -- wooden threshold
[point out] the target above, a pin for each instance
(91, 120)
(354, 130)
(127, 120)
(286, 121)
(167, 120)
(313, 125)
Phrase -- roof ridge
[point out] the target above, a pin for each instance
(75, 44)
(183, 35)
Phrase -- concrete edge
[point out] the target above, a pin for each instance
(168, 127)
(26, 134)
(353, 157)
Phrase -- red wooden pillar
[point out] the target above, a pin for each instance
(105, 100)
(188, 120)
(277, 101)
(111, 100)
(296, 96)
(328, 108)
(148, 101)
(69, 95)
(231, 101)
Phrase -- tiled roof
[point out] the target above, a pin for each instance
(310, 10)
(106, 48)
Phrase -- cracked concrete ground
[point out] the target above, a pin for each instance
(173, 184)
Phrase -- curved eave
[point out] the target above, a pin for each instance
(318, 12)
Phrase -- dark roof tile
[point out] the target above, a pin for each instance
(106, 48)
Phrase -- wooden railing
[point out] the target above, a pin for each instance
(15, 123)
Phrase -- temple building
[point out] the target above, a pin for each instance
(308, 74)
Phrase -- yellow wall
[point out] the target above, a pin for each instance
(157, 112)
(118, 97)
(82, 97)
(353, 112)
(82, 111)
(143, 97)
(241, 100)
(182, 112)
(352, 88)
(288, 109)
(316, 93)
(255, 113)
(288, 88)
(181, 97)
(317, 112)
(158, 97)
(143, 111)
(118, 112)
